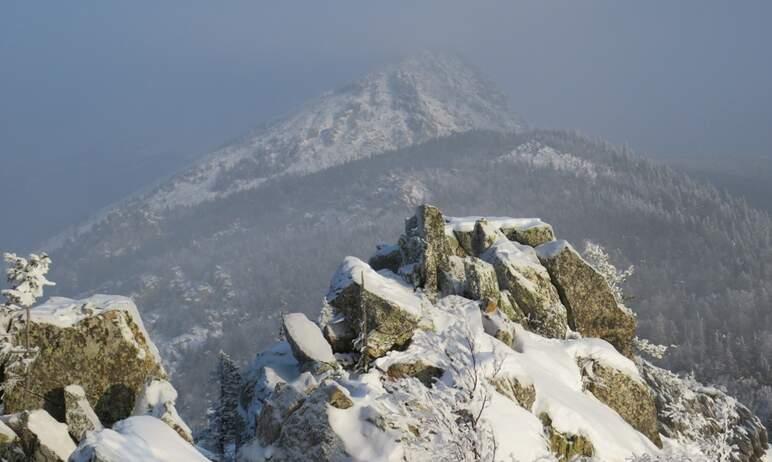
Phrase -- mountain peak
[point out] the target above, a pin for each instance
(423, 97)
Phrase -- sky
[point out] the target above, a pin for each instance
(99, 99)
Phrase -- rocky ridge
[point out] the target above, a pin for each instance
(494, 302)
(93, 368)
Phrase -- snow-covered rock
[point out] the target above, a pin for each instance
(79, 415)
(530, 287)
(424, 248)
(390, 307)
(99, 343)
(465, 356)
(139, 438)
(42, 437)
(593, 309)
(307, 341)
(158, 398)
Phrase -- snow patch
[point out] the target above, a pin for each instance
(142, 438)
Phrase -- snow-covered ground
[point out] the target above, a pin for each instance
(142, 438)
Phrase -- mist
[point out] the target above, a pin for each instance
(98, 100)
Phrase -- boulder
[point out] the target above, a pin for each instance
(284, 400)
(424, 248)
(480, 280)
(518, 270)
(566, 447)
(425, 373)
(592, 307)
(308, 344)
(484, 235)
(454, 247)
(99, 343)
(630, 397)
(389, 306)
(42, 438)
(704, 412)
(307, 434)
(497, 325)
(508, 307)
(158, 399)
(453, 277)
(470, 277)
(79, 415)
(524, 395)
(11, 449)
(528, 231)
(387, 256)
(339, 334)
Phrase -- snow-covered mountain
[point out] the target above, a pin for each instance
(213, 255)
(421, 98)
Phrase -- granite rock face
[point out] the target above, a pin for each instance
(98, 343)
(592, 308)
(379, 306)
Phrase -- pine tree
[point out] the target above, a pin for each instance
(225, 421)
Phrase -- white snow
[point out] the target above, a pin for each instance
(308, 337)
(466, 224)
(549, 365)
(552, 249)
(157, 399)
(352, 270)
(363, 119)
(538, 155)
(66, 312)
(363, 440)
(142, 438)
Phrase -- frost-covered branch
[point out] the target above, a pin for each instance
(448, 417)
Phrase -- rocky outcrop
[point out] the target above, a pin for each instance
(632, 399)
(385, 308)
(284, 400)
(518, 270)
(158, 398)
(387, 256)
(424, 248)
(566, 447)
(98, 343)
(306, 433)
(79, 415)
(531, 232)
(592, 308)
(688, 408)
(41, 437)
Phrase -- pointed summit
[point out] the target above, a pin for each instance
(422, 97)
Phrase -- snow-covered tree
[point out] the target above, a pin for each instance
(225, 422)
(597, 256)
(26, 278)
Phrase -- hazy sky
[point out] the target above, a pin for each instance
(98, 97)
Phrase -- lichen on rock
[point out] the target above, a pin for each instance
(98, 343)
